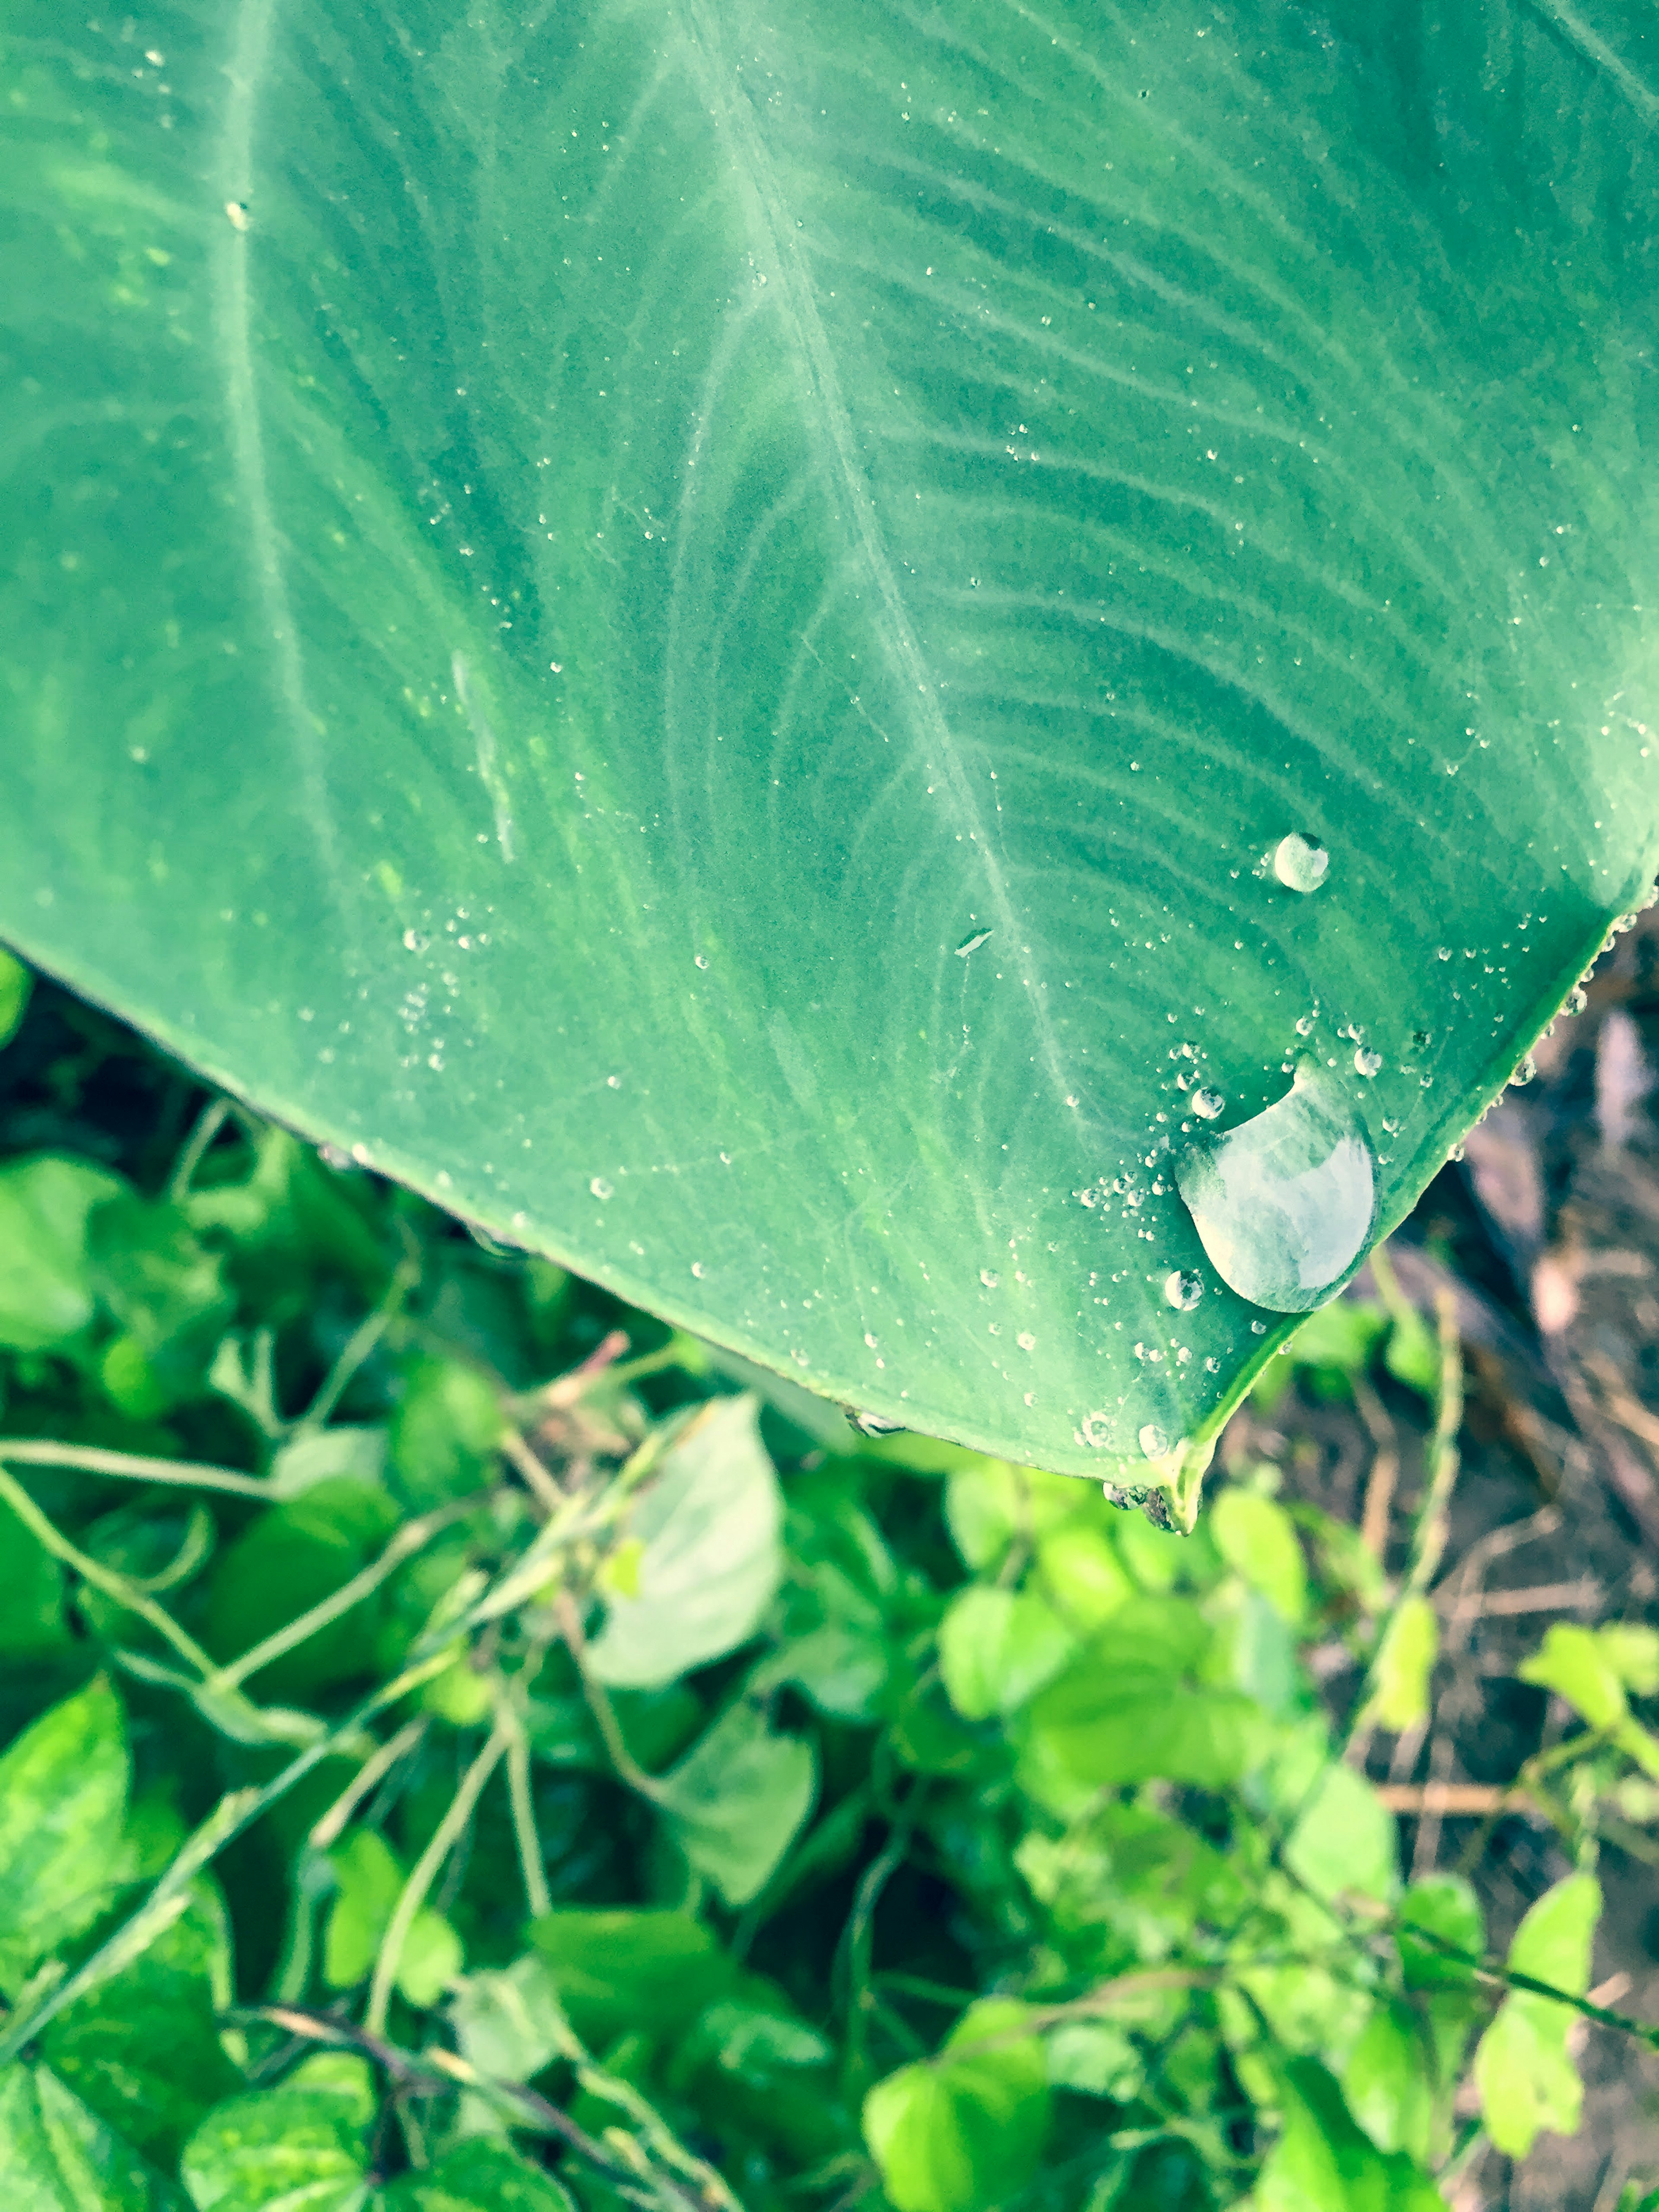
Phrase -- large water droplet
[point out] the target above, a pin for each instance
(989, 1276)
(1366, 1063)
(1208, 1104)
(1526, 1071)
(1152, 1441)
(1183, 1290)
(1283, 1204)
(1298, 865)
(600, 1188)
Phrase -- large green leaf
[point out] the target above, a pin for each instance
(781, 652)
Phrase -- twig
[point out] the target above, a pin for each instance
(91, 1459)
(1454, 1797)
(412, 1896)
(536, 2111)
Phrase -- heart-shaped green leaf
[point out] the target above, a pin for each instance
(789, 655)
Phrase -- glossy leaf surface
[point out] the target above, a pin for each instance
(768, 648)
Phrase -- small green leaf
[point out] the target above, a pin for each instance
(1096, 2058)
(1412, 1354)
(282, 2150)
(56, 2156)
(62, 1799)
(46, 1295)
(1632, 1650)
(1127, 1711)
(324, 1454)
(966, 2130)
(509, 2021)
(165, 1290)
(1574, 1662)
(1345, 1838)
(998, 1647)
(1404, 1664)
(143, 2050)
(1340, 1336)
(291, 1558)
(988, 1501)
(1553, 1941)
(17, 983)
(1080, 1569)
(1523, 2070)
(1442, 1905)
(1525, 2073)
(614, 1969)
(370, 1882)
(709, 1522)
(478, 2176)
(1388, 2084)
(1258, 1540)
(445, 1432)
(738, 1801)
(1322, 2163)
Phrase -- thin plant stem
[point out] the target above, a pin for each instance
(364, 1338)
(129, 1466)
(413, 1894)
(599, 1703)
(326, 1832)
(209, 1122)
(1384, 1470)
(537, 1479)
(125, 1593)
(1429, 1539)
(537, 1896)
(234, 1812)
(412, 1537)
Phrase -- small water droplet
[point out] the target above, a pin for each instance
(1576, 1001)
(1525, 1072)
(1283, 1203)
(1299, 865)
(1212, 1366)
(1207, 1104)
(1455, 1152)
(1152, 1441)
(613, 1082)
(1443, 952)
(989, 1276)
(1306, 1025)
(413, 941)
(972, 944)
(1366, 1063)
(702, 960)
(698, 1269)
(1184, 1289)
(1258, 1328)
(601, 1188)
(1096, 1432)
(1025, 1340)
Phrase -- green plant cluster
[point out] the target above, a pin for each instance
(471, 1750)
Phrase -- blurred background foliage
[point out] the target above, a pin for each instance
(471, 1749)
